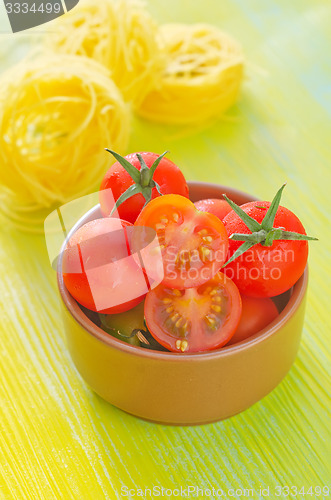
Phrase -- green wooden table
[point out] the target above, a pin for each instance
(59, 440)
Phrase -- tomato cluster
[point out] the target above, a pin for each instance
(205, 271)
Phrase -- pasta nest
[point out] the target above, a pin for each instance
(120, 34)
(57, 113)
(201, 78)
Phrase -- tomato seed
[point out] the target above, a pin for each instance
(179, 322)
(205, 252)
(181, 345)
(210, 320)
(216, 308)
(184, 345)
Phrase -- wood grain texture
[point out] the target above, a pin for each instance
(58, 440)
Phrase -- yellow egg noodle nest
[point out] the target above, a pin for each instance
(57, 113)
(202, 76)
(59, 109)
(120, 34)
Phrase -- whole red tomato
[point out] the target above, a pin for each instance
(214, 206)
(256, 314)
(99, 270)
(167, 177)
(266, 271)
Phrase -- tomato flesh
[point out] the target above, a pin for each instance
(193, 244)
(195, 319)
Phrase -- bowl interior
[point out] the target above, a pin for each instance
(286, 303)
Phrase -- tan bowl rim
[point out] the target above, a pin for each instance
(284, 316)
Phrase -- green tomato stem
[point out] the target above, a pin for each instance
(264, 233)
(143, 179)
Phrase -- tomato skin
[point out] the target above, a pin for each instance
(266, 271)
(194, 244)
(204, 318)
(167, 175)
(214, 206)
(88, 270)
(257, 313)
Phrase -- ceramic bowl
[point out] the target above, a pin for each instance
(179, 388)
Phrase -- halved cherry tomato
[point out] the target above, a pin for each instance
(220, 208)
(194, 244)
(167, 175)
(99, 270)
(257, 313)
(195, 319)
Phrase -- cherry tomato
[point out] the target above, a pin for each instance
(167, 175)
(264, 271)
(220, 208)
(195, 319)
(97, 268)
(257, 313)
(193, 244)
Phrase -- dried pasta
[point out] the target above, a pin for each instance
(57, 113)
(120, 34)
(201, 78)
